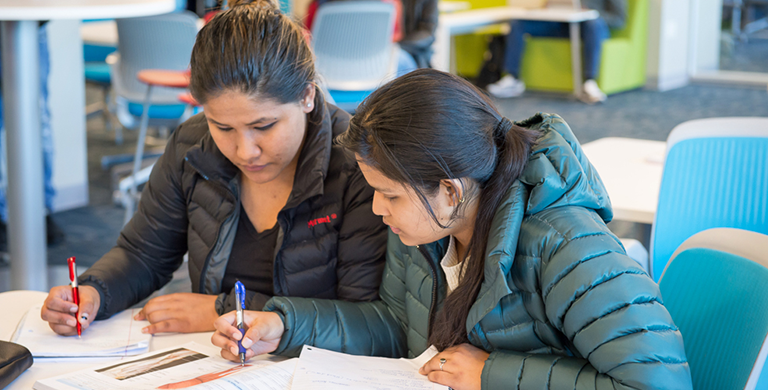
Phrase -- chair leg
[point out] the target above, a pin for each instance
(105, 112)
(736, 19)
(118, 135)
(114, 121)
(131, 204)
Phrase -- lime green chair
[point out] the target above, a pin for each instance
(546, 63)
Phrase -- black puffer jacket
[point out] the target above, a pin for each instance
(330, 244)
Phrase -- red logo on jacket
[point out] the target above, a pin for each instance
(317, 221)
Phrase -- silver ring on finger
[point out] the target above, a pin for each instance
(442, 362)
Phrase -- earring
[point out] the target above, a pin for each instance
(461, 200)
(309, 104)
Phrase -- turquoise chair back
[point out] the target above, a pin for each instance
(720, 303)
(710, 183)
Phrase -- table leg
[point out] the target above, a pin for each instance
(441, 56)
(139, 156)
(576, 57)
(26, 202)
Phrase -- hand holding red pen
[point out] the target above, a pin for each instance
(75, 293)
(65, 314)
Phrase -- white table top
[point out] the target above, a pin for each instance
(631, 170)
(16, 303)
(484, 16)
(453, 6)
(82, 9)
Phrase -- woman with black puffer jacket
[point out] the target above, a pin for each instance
(253, 188)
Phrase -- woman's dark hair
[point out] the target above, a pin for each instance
(252, 48)
(428, 126)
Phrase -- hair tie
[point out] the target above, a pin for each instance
(501, 130)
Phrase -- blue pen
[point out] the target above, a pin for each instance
(240, 304)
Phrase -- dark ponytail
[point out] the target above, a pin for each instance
(251, 48)
(428, 126)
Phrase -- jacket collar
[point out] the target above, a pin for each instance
(311, 170)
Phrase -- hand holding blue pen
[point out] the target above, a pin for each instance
(240, 305)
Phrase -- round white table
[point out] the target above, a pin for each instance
(21, 93)
(631, 171)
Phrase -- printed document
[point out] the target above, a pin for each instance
(118, 336)
(320, 369)
(178, 368)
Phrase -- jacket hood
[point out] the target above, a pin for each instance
(557, 174)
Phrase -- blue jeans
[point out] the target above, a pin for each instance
(45, 130)
(593, 33)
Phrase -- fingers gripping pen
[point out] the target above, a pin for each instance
(240, 304)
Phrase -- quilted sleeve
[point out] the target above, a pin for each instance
(613, 316)
(360, 328)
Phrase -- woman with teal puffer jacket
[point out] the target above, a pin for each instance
(499, 256)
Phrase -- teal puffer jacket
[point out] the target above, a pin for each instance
(561, 306)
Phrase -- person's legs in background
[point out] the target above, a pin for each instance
(593, 33)
(510, 85)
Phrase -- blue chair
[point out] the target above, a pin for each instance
(715, 175)
(352, 42)
(97, 73)
(155, 42)
(744, 243)
(720, 303)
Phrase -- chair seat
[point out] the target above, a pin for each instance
(97, 72)
(158, 111)
(348, 100)
(719, 302)
(97, 53)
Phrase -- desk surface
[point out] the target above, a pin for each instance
(82, 9)
(631, 171)
(16, 303)
(453, 6)
(484, 16)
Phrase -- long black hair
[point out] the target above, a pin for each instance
(427, 126)
(252, 48)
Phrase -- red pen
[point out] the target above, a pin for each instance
(75, 291)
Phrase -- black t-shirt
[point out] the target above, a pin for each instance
(251, 259)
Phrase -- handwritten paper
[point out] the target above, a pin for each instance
(118, 336)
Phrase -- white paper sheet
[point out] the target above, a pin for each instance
(320, 369)
(118, 336)
(176, 368)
